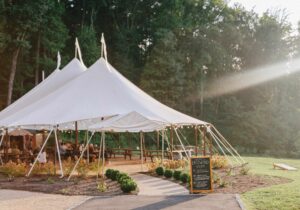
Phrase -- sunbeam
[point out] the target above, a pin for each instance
(250, 78)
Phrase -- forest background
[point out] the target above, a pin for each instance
(173, 50)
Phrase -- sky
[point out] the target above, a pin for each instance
(292, 7)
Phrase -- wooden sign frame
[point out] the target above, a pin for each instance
(210, 173)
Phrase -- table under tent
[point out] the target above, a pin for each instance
(103, 100)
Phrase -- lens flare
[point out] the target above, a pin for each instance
(250, 78)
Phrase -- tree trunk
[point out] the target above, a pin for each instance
(37, 63)
(12, 75)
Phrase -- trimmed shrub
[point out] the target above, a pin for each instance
(128, 186)
(122, 176)
(159, 171)
(168, 173)
(114, 175)
(108, 173)
(185, 178)
(176, 175)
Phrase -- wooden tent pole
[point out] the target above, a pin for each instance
(142, 158)
(6, 146)
(76, 135)
(196, 141)
(210, 147)
(157, 140)
(204, 142)
(171, 141)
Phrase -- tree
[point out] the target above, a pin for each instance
(29, 22)
(163, 70)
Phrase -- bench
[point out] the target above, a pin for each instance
(120, 151)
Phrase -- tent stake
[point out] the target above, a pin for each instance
(28, 174)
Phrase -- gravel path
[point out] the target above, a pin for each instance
(23, 200)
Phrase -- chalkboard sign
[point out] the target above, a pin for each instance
(201, 174)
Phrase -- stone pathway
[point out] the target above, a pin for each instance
(178, 202)
(149, 185)
(155, 193)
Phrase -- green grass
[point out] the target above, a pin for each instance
(283, 196)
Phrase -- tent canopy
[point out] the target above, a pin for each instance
(96, 94)
(132, 122)
(55, 80)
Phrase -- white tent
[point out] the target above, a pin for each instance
(51, 83)
(133, 122)
(98, 93)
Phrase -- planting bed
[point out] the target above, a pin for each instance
(55, 185)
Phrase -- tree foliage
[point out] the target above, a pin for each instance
(173, 50)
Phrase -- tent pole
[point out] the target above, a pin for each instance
(142, 158)
(58, 153)
(99, 155)
(171, 141)
(210, 147)
(88, 148)
(76, 135)
(2, 137)
(162, 145)
(80, 157)
(7, 139)
(196, 141)
(203, 142)
(157, 139)
(28, 174)
(103, 155)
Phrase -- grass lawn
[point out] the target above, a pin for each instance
(281, 197)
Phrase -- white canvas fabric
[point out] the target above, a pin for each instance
(98, 93)
(131, 122)
(51, 83)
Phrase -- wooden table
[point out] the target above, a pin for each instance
(120, 151)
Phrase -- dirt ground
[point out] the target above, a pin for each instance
(236, 183)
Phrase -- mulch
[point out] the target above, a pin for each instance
(55, 185)
(236, 183)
